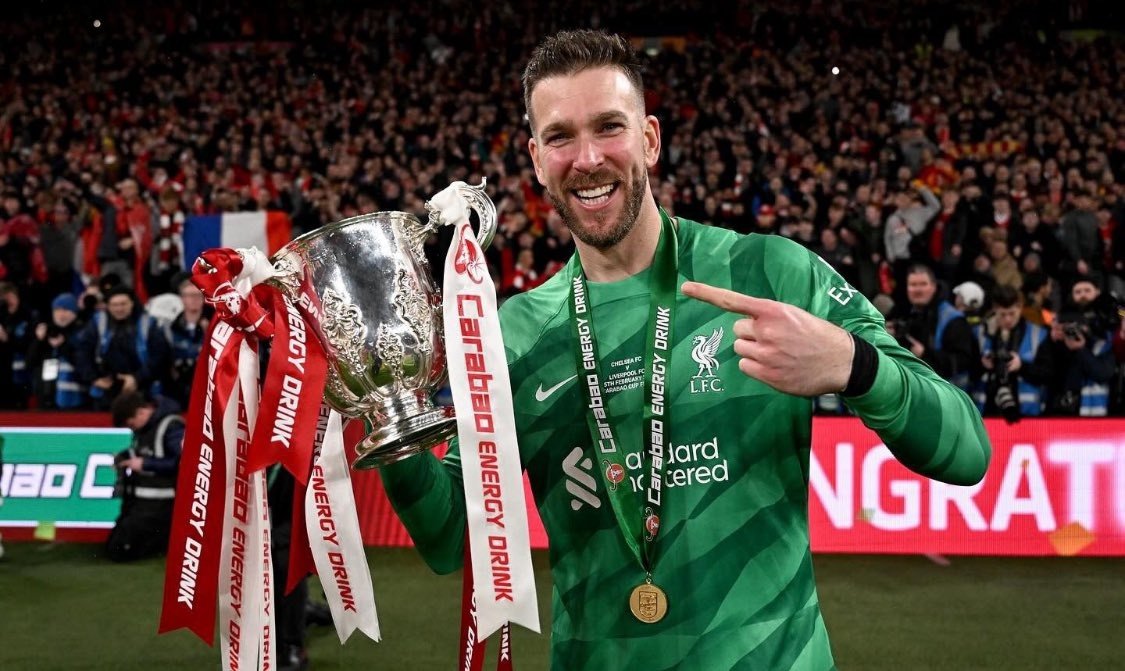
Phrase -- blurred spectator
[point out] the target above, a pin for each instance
(934, 330)
(1030, 237)
(134, 235)
(902, 227)
(51, 358)
(17, 322)
(21, 256)
(119, 351)
(146, 476)
(167, 258)
(1037, 289)
(1005, 270)
(523, 276)
(838, 255)
(58, 237)
(185, 338)
(945, 235)
(968, 299)
(1082, 246)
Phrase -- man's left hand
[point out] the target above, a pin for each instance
(783, 345)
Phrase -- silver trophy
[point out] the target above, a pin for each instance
(381, 322)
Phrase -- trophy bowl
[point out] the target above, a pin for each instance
(380, 320)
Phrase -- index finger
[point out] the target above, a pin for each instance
(725, 299)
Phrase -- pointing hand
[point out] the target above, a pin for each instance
(783, 345)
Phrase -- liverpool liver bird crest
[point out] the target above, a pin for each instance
(703, 352)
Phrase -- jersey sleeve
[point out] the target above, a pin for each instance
(929, 424)
(428, 496)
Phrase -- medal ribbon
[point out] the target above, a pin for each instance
(639, 531)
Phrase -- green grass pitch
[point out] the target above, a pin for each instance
(63, 607)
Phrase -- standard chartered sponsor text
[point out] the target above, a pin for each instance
(685, 465)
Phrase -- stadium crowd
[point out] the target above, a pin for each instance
(960, 168)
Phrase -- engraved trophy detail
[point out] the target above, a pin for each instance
(381, 323)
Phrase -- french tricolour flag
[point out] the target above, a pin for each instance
(268, 231)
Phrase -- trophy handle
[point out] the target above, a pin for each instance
(475, 198)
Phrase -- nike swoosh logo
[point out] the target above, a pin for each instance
(542, 394)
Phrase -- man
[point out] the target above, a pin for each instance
(731, 551)
(946, 234)
(1081, 243)
(184, 336)
(119, 351)
(17, 322)
(50, 358)
(1081, 353)
(147, 475)
(1015, 374)
(933, 330)
(906, 223)
(968, 299)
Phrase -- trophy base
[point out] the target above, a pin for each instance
(405, 438)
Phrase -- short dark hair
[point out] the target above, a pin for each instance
(1005, 296)
(922, 269)
(572, 51)
(125, 406)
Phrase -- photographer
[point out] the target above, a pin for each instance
(119, 351)
(1081, 352)
(935, 331)
(1014, 371)
(147, 476)
(51, 357)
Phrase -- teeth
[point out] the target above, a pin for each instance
(594, 193)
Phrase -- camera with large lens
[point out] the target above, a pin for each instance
(907, 327)
(1002, 387)
(1073, 330)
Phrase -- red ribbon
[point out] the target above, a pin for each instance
(284, 430)
(291, 394)
(472, 648)
(194, 546)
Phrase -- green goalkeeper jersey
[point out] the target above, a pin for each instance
(733, 552)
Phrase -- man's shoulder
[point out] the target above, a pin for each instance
(708, 240)
(525, 316)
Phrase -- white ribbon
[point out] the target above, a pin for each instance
(334, 536)
(499, 542)
(246, 564)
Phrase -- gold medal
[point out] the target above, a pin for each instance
(648, 602)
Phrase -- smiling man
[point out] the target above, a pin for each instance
(665, 424)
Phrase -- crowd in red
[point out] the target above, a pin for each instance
(987, 145)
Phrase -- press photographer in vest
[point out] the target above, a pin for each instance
(120, 351)
(1014, 371)
(1080, 347)
(146, 476)
(51, 357)
(933, 330)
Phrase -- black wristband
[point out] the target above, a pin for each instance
(865, 365)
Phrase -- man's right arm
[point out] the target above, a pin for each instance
(428, 496)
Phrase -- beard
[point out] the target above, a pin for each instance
(602, 237)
